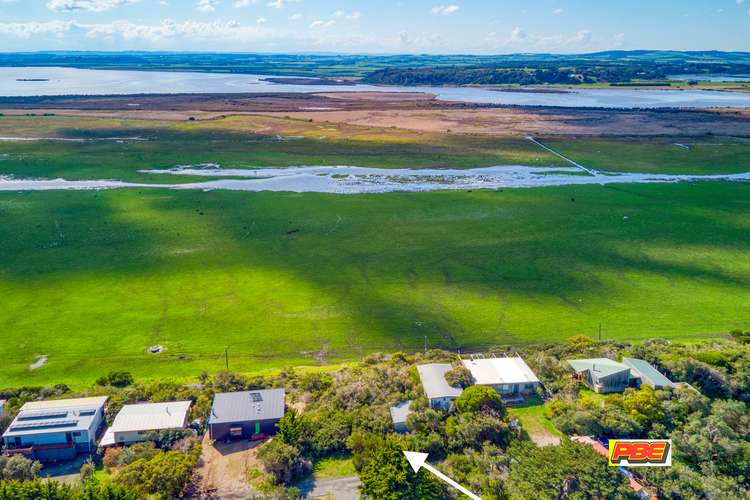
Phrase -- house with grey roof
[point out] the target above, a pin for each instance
(55, 430)
(602, 375)
(399, 414)
(438, 391)
(645, 373)
(246, 414)
(135, 423)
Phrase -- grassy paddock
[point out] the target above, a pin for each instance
(676, 155)
(92, 279)
(238, 141)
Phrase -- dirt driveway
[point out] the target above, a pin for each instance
(224, 468)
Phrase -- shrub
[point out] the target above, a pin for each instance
(282, 461)
(480, 398)
(112, 457)
(18, 468)
(459, 376)
(116, 379)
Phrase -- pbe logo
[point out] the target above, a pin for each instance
(640, 452)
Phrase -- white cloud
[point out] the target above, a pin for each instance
(296, 17)
(740, 2)
(517, 34)
(445, 10)
(244, 3)
(557, 12)
(322, 24)
(207, 5)
(29, 29)
(347, 15)
(280, 4)
(86, 5)
(261, 20)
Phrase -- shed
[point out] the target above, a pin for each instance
(246, 414)
(602, 375)
(436, 388)
(399, 414)
(647, 374)
(135, 422)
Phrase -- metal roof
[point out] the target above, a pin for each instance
(600, 367)
(59, 415)
(649, 375)
(247, 406)
(495, 371)
(400, 412)
(65, 403)
(434, 383)
(151, 416)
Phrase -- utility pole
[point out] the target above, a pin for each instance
(226, 357)
(600, 332)
(425, 343)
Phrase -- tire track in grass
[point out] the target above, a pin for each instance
(560, 155)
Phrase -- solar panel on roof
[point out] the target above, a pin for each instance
(34, 415)
(256, 397)
(44, 425)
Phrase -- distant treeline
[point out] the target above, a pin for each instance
(538, 73)
(358, 65)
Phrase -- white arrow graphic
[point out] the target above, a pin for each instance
(419, 460)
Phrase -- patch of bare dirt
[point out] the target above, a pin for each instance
(223, 468)
(549, 121)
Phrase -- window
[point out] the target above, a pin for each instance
(77, 434)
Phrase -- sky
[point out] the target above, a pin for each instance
(369, 26)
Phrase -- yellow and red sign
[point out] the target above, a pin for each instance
(640, 452)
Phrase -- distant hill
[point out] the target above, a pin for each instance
(361, 65)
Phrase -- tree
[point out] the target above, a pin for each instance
(570, 470)
(291, 428)
(459, 376)
(480, 398)
(87, 471)
(388, 476)
(116, 379)
(473, 430)
(284, 462)
(18, 468)
(167, 474)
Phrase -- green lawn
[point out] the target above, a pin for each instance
(533, 420)
(92, 279)
(333, 467)
(675, 155)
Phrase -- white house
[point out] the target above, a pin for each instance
(436, 388)
(55, 429)
(507, 375)
(135, 422)
(2, 407)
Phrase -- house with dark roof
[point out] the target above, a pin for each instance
(55, 430)
(645, 373)
(602, 375)
(246, 414)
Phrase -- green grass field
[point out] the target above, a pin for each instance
(674, 155)
(240, 141)
(92, 279)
